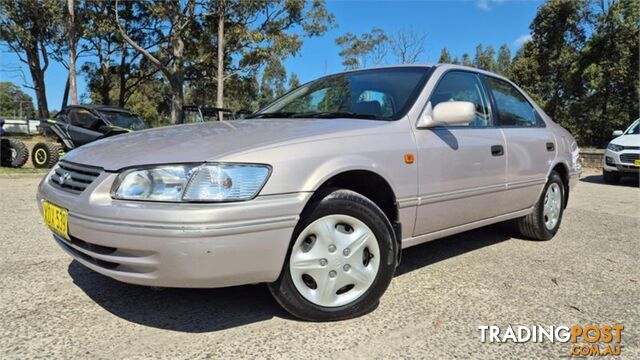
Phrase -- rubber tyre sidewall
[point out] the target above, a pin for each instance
(22, 153)
(548, 234)
(52, 155)
(284, 290)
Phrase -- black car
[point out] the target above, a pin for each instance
(77, 125)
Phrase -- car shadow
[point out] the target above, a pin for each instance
(208, 310)
(627, 180)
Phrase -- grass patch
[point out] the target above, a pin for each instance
(18, 171)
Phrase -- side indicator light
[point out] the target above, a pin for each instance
(409, 158)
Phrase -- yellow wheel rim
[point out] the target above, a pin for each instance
(40, 156)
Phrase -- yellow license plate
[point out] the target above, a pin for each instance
(636, 163)
(56, 219)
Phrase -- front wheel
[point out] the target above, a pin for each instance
(544, 221)
(341, 260)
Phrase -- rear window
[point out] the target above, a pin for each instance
(513, 107)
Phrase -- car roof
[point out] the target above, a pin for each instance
(426, 66)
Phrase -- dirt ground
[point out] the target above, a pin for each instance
(53, 307)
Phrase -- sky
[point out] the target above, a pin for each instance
(457, 25)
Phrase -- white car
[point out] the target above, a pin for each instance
(623, 154)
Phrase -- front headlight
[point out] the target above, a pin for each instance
(614, 147)
(192, 183)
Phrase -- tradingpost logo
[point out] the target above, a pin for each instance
(591, 340)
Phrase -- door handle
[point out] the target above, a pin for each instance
(497, 150)
(551, 146)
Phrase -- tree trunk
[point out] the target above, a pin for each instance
(220, 74)
(123, 70)
(177, 100)
(73, 86)
(37, 76)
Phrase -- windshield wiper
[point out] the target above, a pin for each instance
(284, 114)
(336, 114)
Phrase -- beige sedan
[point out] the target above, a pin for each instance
(318, 193)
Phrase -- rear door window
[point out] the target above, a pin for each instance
(513, 109)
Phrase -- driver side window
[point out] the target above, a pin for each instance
(463, 86)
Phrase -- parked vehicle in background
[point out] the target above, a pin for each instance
(197, 114)
(318, 193)
(622, 156)
(13, 152)
(77, 125)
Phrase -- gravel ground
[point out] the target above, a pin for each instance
(53, 307)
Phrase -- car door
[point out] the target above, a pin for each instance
(83, 126)
(531, 147)
(462, 168)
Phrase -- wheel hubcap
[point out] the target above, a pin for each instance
(334, 260)
(552, 206)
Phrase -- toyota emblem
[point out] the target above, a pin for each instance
(64, 178)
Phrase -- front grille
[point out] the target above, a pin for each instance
(629, 158)
(73, 177)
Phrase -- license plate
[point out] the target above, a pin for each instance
(56, 219)
(636, 163)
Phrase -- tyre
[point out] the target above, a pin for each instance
(610, 177)
(14, 153)
(544, 221)
(45, 155)
(341, 259)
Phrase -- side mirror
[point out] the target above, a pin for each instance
(448, 113)
(617, 133)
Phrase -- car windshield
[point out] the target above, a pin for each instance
(378, 94)
(634, 129)
(123, 120)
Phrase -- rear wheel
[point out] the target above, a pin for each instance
(45, 155)
(14, 153)
(544, 221)
(341, 260)
(610, 177)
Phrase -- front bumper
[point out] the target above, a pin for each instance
(622, 161)
(177, 245)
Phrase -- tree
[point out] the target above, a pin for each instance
(27, 28)
(466, 60)
(606, 77)
(407, 45)
(116, 64)
(14, 102)
(557, 37)
(503, 62)
(485, 58)
(177, 22)
(445, 56)
(358, 51)
(73, 40)
(273, 82)
(294, 82)
(251, 34)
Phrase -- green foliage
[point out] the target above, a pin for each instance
(14, 102)
(581, 65)
(364, 50)
(445, 57)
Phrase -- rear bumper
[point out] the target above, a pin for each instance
(177, 245)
